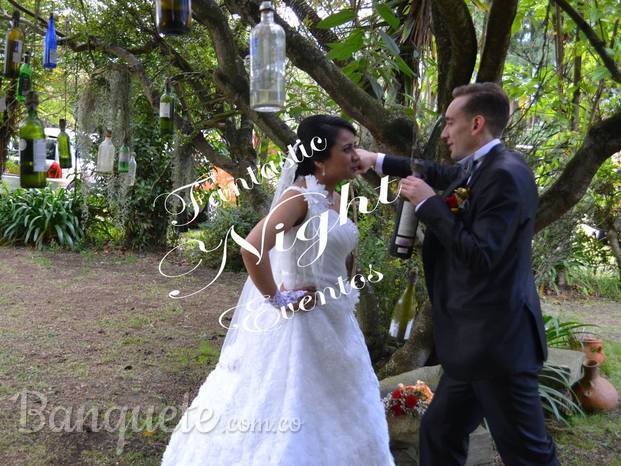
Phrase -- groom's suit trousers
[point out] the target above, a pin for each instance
(511, 406)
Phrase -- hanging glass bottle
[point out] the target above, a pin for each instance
(173, 17)
(64, 146)
(123, 166)
(167, 109)
(2, 103)
(267, 63)
(105, 154)
(32, 169)
(24, 82)
(50, 46)
(132, 170)
(402, 319)
(13, 48)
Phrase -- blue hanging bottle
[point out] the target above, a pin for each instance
(50, 47)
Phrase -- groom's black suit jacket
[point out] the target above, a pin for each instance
(486, 313)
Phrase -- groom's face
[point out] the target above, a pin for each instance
(461, 132)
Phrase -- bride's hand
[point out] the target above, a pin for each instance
(307, 300)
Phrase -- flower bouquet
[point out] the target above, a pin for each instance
(404, 409)
(456, 200)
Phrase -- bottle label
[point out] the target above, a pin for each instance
(39, 155)
(52, 56)
(37, 149)
(408, 329)
(164, 109)
(24, 84)
(393, 331)
(406, 222)
(2, 103)
(17, 51)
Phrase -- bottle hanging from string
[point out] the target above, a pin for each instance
(24, 82)
(2, 104)
(402, 320)
(167, 110)
(64, 145)
(32, 153)
(132, 170)
(123, 166)
(105, 154)
(406, 222)
(173, 17)
(50, 48)
(13, 48)
(267, 63)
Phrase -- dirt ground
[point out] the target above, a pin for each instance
(98, 331)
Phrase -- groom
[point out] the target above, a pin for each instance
(488, 327)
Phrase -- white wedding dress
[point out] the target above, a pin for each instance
(302, 393)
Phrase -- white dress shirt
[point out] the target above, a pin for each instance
(478, 154)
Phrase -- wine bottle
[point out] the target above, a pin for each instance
(123, 166)
(50, 45)
(24, 82)
(132, 171)
(173, 17)
(64, 146)
(13, 48)
(2, 103)
(105, 154)
(167, 105)
(32, 170)
(402, 319)
(267, 63)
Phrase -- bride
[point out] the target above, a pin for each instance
(294, 385)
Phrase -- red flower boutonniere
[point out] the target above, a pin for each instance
(455, 201)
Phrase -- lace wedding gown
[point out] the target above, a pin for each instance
(302, 393)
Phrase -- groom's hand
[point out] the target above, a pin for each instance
(415, 190)
(366, 160)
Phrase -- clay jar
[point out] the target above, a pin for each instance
(595, 392)
(594, 349)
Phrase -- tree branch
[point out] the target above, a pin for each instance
(457, 47)
(598, 43)
(390, 127)
(601, 142)
(497, 40)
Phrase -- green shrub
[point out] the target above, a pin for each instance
(214, 231)
(40, 216)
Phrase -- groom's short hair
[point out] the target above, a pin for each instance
(489, 100)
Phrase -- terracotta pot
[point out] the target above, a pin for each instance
(594, 349)
(595, 392)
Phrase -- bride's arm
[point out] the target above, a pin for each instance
(292, 208)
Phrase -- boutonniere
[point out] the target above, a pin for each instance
(456, 200)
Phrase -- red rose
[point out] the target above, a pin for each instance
(451, 201)
(396, 394)
(397, 410)
(411, 401)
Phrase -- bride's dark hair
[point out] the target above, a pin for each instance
(324, 127)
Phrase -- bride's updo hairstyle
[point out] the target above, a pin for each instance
(323, 129)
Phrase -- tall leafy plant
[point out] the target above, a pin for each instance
(40, 216)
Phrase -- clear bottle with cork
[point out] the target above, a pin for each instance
(267, 63)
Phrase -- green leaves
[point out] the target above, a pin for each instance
(387, 15)
(39, 216)
(336, 19)
(344, 50)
